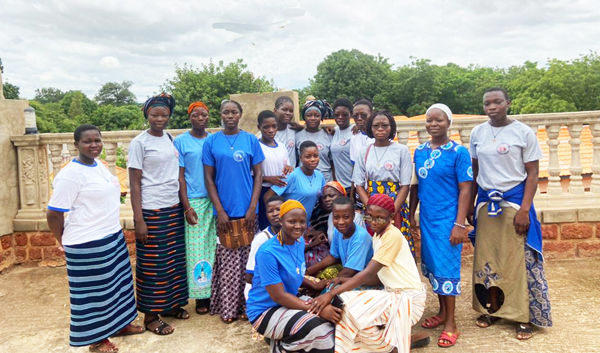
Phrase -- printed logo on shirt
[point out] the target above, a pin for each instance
(238, 156)
(176, 153)
(286, 161)
(388, 165)
(343, 142)
(115, 181)
(291, 144)
(503, 148)
(320, 146)
(303, 268)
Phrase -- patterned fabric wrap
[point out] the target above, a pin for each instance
(161, 278)
(402, 222)
(101, 289)
(378, 320)
(539, 301)
(163, 99)
(200, 248)
(316, 254)
(292, 330)
(323, 107)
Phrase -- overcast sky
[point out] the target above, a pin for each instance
(79, 45)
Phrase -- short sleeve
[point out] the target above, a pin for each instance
(358, 174)
(532, 151)
(179, 146)
(357, 254)
(65, 193)
(254, 246)
(335, 246)
(462, 167)
(391, 244)
(257, 153)
(135, 155)
(266, 265)
(414, 180)
(472, 148)
(323, 182)
(207, 156)
(406, 166)
(280, 190)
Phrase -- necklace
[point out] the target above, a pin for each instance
(295, 258)
(235, 139)
(384, 151)
(495, 135)
(310, 179)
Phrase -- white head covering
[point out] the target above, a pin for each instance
(444, 108)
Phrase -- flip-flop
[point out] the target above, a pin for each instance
(449, 337)
(485, 320)
(432, 322)
(524, 329)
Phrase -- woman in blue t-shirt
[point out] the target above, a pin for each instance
(273, 303)
(233, 175)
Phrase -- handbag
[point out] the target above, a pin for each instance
(238, 237)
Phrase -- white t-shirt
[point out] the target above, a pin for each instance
(287, 138)
(258, 240)
(158, 159)
(90, 195)
(390, 163)
(502, 162)
(340, 154)
(323, 141)
(357, 142)
(276, 157)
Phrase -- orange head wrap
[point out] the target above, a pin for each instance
(337, 186)
(196, 105)
(290, 205)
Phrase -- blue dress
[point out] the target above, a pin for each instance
(439, 172)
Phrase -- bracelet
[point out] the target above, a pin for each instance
(186, 211)
(460, 225)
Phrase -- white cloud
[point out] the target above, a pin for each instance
(110, 62)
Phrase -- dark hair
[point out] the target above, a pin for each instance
(273, 199)
(306, 144)
(239, 106)
(364, 101)
(497, 89)
(343, 200)
(391, 119)
(265, 114)
(83, 128)
(343, 102)
(281, 100)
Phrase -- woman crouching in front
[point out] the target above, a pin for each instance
(273, 307)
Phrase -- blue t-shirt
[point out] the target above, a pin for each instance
(303, 188)
(233, 168)
(275, 263)
(354, 252)
(190, 158)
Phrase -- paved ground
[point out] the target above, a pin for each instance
(34, 314)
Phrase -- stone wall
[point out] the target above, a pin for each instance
(254, 103)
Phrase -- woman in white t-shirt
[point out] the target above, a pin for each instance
(161, 275)
(98, 267)
(275, 166)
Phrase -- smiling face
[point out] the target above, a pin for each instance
(381, 128)
(437, 123)
(199, 118)
(329, 195)
(293, 224)
(90, 144)
(495, 105)
(310, 158)
(360, 114)
(158, 118)
(285, 112)
(342, 116)
(378, 218)
(313, 119)
(268, 128)
(230, 115)
(343, 217)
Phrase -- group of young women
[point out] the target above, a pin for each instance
(188, 189)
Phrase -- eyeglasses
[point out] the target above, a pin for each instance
(379, 220)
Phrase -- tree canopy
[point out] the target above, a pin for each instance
(116, 94)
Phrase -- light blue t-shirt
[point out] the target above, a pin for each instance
(190, 158)
(275, 263)
(354, 252)
(303, 188)
(233, 168)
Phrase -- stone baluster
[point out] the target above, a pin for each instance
(595, 129)
(403, 137)
(111, 156)
(56, 151)
(554, 187)
(576, 185)
(126, 209)
(73, 152)
(423, 137)
(465, 137)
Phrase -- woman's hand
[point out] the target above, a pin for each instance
(331, 314)
(457, 236)
(521, 222)
(141, 231)
(330, 130)
(319, 303)
(278, 180)
(287, 170)
(223, 224)
(191, 217)
(414, 230)
(250, 219)
(471, 215)
(337, 281)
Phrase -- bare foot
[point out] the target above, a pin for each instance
(104, 346)
(130, 330)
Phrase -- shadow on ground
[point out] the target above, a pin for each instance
(34, 314)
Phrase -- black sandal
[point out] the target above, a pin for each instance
(485, 320)
(159, 330)
(202, 306)
(179, 313)
(525, 331)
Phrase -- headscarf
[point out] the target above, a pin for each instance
(444, 108)
(383, 201)
(290, 205)
(160, 100)
(197, 104)
(321, 105)
(337, 186)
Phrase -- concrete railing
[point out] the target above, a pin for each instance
(40, 155)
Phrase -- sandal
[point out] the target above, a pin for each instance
(447, 339)
(111, 347)
(159, 330)
(485, 321)
(228, 320)
(420, 343)
(432, 322)
(127, 331)
(202, 306)
(179, 313)
(524, 332)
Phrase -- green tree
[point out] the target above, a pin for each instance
(110, 118)
(10, 91)
(211, 84)
(351, 74)
(116, 94)
(83, 105)
(48, 95)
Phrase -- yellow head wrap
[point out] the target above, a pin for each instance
(290, 205)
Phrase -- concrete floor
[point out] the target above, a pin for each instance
(34, 314)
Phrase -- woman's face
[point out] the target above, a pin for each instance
(360, 114)
(158, 118)
(313, 119)
(437, 123)
(495, 105)
(285, 112)
(378, 218)
(199, 118)
(310, 158)
(294, 223)
(381, 127)
(230, 115)
(268, 128)
(329, 195)
(342, 116)
(90, 144)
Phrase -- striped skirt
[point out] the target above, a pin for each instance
(200, 248)
(161, 279)
(378, 320)
(101, 289)
(291, 330)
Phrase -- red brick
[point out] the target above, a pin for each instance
(129, 236)
(21, 239)
(588, 249)
(43, 239)
(577, 231)
(559, 249)
(21, 255)
(35, 254)
(6, 242)
(52, 253)
(550, 231)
